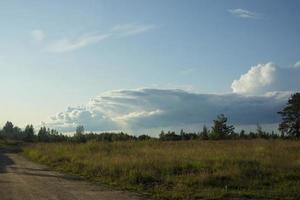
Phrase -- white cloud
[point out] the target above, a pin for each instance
(259, 76)
(136, 115)
(71, 44)
(65, 45)
(297, 65)
(243, 13)
(124, 30)
(257, 97)
(152, 108)
(267, 77)
(72, 117)
(38, 35)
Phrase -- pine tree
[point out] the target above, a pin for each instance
(220, 130)
(290, 115)
(29, 133)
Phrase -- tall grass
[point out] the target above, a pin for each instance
(2, 143)
(183, 169)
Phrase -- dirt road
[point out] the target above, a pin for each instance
(21, 179)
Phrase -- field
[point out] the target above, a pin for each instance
(263, 169)
(1, 143)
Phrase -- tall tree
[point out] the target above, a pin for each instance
(43, 135)
(204, 133)
(80, 129)
(290, 115)
(8, 130)
(29, 133)
(79, 135)
(8, 127)
(259, 131)
(221, 130)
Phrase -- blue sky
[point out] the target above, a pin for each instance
(59, 54)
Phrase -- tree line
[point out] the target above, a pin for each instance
(289, 128)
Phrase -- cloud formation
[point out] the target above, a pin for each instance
(125, 30)
(241, 13)
(75, 43)
(257, 78)
(151, 108)
(74, 116)
(267, 77)
(64, 45)
(257, 97)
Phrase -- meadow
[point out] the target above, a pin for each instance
(197, 169)
(2, 143)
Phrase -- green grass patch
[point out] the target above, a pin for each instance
(268, 169)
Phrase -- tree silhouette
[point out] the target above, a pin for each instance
(220, 130)
(43, 135)
(204, 134)
(29, 133)
(290, 115)
(8, 127)
(79, 135)
(8, 130)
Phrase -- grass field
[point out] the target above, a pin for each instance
(1, 143)
(184, 169)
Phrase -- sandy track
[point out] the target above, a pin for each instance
(21, 179)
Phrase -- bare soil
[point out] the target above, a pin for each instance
(21, 179)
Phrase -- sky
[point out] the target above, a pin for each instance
(137, 64)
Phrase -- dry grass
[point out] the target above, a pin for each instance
(184, 169)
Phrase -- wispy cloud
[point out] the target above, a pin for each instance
(125, 30)
(66, 44)
(244, 13)
(38, 35)
(70, 44)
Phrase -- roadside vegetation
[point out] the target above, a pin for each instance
(183, 169)
(214, 163)
(2, 143)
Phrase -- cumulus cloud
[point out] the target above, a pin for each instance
(150, 108)
(255, 79)
(38, 35)
(241, 13)
(267, 77)
(257, 97)
(74, 116)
